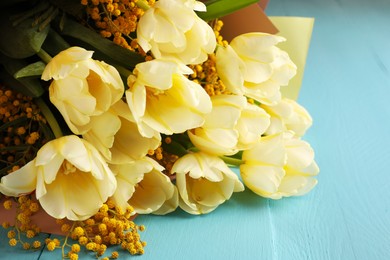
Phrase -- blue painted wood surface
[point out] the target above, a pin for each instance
(346, 88)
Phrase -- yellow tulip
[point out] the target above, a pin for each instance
(162, 99)
(251, 125)
(81, 87)
(204, 182)
(232, 125)
(218, 134)
(288, 115)
(121, 142)
(69, 176)
(143, 185)
(279, 166)
(253, 66)
(171, 29)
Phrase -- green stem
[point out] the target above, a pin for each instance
(66, 240)
(55, 127)
(193, 149)
(143, 4)
(44, 56)
(232, 161)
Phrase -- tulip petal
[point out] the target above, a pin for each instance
(269, 149)
(150, 73)
(171, 29)
(299, 154)
(204, 182)
(230, 69)
(143, 200)
(63, 197)
(169, 205)
(128, 175)
(296, 185)
(73, 149)
(256, 45)
(130, 145)
(19, 182)
(262, 179)
(101, 136)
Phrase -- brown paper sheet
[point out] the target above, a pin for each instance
(46, 223)
(248, 19)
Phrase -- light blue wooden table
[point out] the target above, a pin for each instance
(346, 88)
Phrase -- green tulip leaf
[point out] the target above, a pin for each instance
(7, 3)
(220, 8)
(31, 70)
(104, 48)
(30, 86)
(22, 40)
(54, 43)
(27, 86)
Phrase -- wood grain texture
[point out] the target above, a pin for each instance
(346, 88)
(17, 252)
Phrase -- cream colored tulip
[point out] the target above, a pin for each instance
(70, 178)
(143, 185)
(279, 166)
(81, 87)
(230, 69)
(251, 125)
(128, 175)
(162, 99)
(129, 144)
(194, 5)
(204, 182)
(253, 66)
(288, 115)
(100, 135)
(171, 29)
(232, 125)
(121, 142)
(218, 134)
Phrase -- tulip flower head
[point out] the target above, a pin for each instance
(81, 87)
(70, 178)
(279, 166)
(204, 182)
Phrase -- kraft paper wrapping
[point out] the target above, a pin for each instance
(248, 19)
(297, 31)
(46, 223)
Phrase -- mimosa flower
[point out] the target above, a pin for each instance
(204, 182)
(70, 178)
(171, 29)
(162, 99)
(279, 166)
(288, 115)
(253, 66)
(81, 87)
(143, 185)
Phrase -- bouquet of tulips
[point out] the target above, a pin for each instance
(140, 107)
